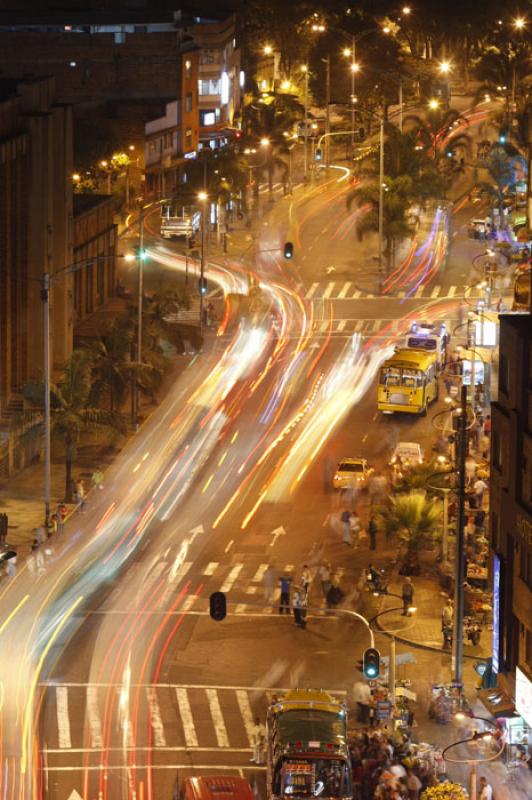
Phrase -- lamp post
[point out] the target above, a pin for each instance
(381, 189)
(304, 69)
(444, 68)
(202, 197)
(472, 762)
(457, 651)
(140, 262)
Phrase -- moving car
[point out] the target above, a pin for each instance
(351, 473)
(407, 453)
(215, 787)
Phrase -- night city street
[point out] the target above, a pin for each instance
(265, 400)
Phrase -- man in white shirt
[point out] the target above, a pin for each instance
(362, 696)
(486, 791)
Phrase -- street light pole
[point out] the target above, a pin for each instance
(327, 108)
(381, 189)
(456, 661)
(202, 197)
(140, 262)
(305, 154)
(45, 294)
(353, 71)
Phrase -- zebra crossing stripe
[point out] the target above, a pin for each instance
(259, 573)
(419, 291)
(328, 291)
(231, 578)
(435, 292)
(247, 716)
(324, 326)
(95, 726)
(240, 608)
(211, 567)
(311, 291)
(356, 294)
(217, 718)
(189, 602)
(155, 718)
(63, 721)
(344, 290)
(452, 291)
(191, 739)
(400, 295)
(342, 324)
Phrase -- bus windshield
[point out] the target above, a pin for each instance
(320, 777)
(421, 343)
(395, 376)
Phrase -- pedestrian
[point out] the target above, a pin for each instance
(335, 594)
(346, 524)
(258, 739)
(80, 493)
(54, 523)
(324, 574)
(11, 566)
(305, 579)
(62, 510)
(407, 593)
(479, 487)
(447, 614)
(484, 446)
(40, 534)
(284, 601)
(39, 557)
(479, 520)
(372, 533)
(362, 697)
(486, 790)
(97, 479)
(268, 580)
(413, 784)
(487, 425)
(298, 606)
(470, 469)
(354, 524)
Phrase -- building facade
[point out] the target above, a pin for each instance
(173, 138)
(95, 240)
(35, 238)
(511, 496)
(220, 79)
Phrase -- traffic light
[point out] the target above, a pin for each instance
(218, 606)
(361, 134)
(371, 663)
(318, 154)
(202, 285)
(141, 253)
(288, 250)
(503, 136)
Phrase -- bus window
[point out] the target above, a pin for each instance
(412, 378)
(391, 376)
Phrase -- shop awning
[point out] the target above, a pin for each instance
(497, 701)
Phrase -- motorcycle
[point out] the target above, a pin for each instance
(376, 581)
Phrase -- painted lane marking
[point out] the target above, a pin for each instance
(217, 718)
(186, 717)
(247, 716)
(231, 578)
(311, 291)
(345, 289)
(155, 718)
(63, 721)
(211, 568)
(95, 725)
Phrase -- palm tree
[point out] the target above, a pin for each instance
(111, 363)
(501, 172)
(71, 408)
(413, 517)
(434, 131)
(399, 221)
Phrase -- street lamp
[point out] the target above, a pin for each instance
(444, 68)
(304, 70)
(472, 762)
(267, 50)
(202, 197)
(519, 23)
(434, 104)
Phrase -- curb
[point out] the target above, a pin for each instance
(421, 646)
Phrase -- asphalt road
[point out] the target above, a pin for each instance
(118, 683)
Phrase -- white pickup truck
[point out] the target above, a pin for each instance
(179, 221)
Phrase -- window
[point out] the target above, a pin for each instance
(209, 87)
(188, 102)
(207, 118)
(167, 141)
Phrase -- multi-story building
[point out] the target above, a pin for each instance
(221, 79)
(511, 504)
(35, 237)
(174, 137)
(95, 238)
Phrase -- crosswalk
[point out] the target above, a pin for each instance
(181, 717)
(347, 290)
(371, 327)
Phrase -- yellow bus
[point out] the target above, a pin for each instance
(408, 382)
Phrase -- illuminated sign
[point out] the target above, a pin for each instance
(225, 89)
(496, 613)
(523, 696)
(485, 333)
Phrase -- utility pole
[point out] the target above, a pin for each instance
(45, 296)
(353, 70)
(401, 105)
(381, 190)
(203, 199)
(456, 661)
(327, 108)
(140, 261)
(305, 154)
